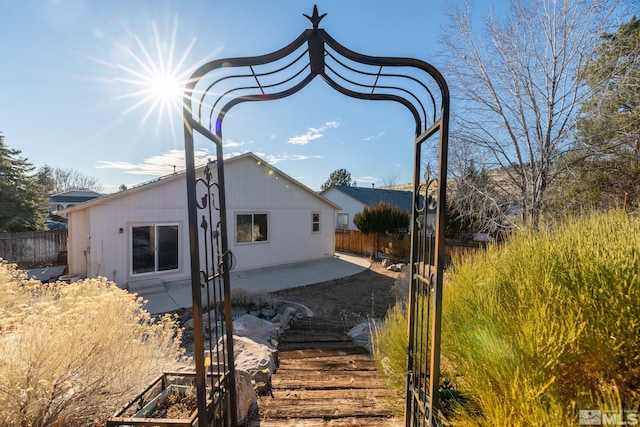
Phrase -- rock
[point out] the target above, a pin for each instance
(287, 315)
(254, 356)
(361, 333)
(268, 313)
(238, 312)
(394, 267)
(205, 318)
(246, 396)
(253, 327)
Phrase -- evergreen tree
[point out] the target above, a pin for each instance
(381, 219)
(21, 197)
(337, 177)
(608, 143)
(46, 179)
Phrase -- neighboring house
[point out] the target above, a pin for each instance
(142, 233)
(354, 199)
(70, 198)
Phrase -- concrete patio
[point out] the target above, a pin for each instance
(177, 295)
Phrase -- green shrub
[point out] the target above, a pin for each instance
(548, 323)
(72, 354)
(540, 327)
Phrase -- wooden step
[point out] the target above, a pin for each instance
(306, 353)
(313, 337)
(331, 345)
(295, 379)
(351, 362)
(325, 379)
(341, 422)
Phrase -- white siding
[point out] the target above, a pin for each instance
(78, 242)
(110, 248)
(256, 188)
(251, 187)
(348, 204)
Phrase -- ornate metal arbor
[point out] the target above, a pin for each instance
(219, 85)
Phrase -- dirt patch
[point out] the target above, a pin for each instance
(350, 299)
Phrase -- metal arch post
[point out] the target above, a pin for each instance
(426, 126)
(196, 295)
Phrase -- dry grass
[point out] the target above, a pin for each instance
(73, 354)
(542, 326)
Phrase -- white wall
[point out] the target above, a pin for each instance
(252, 187)
(348, 204)
(256, 188)
(78, 242)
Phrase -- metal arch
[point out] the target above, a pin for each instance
(217, 86)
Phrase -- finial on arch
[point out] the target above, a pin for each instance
(315, 18)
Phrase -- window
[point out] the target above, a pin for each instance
(252, 227)
(342, 221)
(315, 222)
(154, 248)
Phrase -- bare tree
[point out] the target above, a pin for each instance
(390, 180)
(60, 180)
(518, 91)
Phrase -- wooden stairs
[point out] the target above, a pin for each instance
(325, 379)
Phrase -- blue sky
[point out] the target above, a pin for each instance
(73, 73)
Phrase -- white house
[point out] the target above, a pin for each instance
(354, 199)
(67, 199)
(142, 232)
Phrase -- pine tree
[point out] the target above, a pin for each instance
(609, 122)
(46, 179)
(338, 177)
(21, 197)
(381, 219)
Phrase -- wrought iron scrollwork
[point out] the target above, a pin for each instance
(417, 85)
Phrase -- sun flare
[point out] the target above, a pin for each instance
(153, 79)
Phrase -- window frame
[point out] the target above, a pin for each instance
(253, 215)
(342, 226)
(156, 248)
(314, 222)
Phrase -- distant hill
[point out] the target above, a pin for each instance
(399, 187)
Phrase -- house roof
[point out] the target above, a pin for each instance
(181, 175)
(374, 196)
(74, 196)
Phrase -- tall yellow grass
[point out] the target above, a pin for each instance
(545, 325)
(72, 354)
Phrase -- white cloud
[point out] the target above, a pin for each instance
(379, 135)
(367, 180)
(275, 159)
(229, 143)
(306, 138)
(312, 133)
(163, 164)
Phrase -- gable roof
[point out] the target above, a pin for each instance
(180, 175)
(374, 196)
(74, 196)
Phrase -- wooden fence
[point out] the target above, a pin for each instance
(396, 246)
(34, 248)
